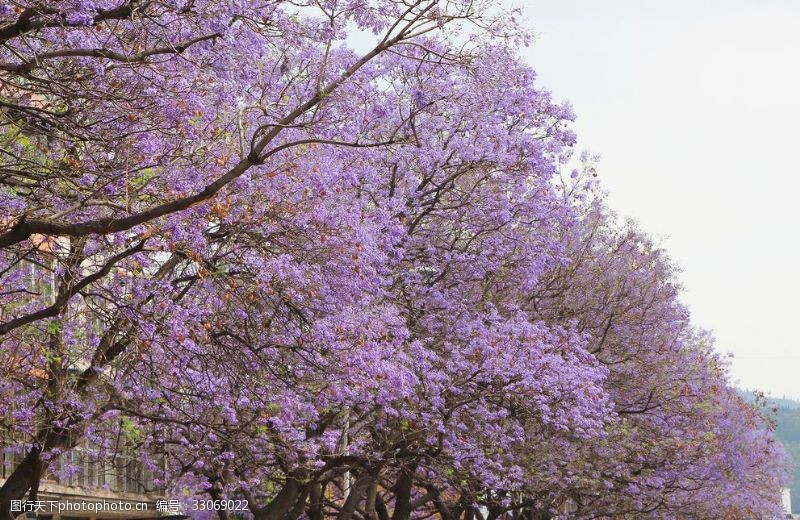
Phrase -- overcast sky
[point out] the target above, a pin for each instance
(695, 109)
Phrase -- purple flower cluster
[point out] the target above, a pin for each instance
(339, 284)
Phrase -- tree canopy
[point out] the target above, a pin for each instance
(340, 283)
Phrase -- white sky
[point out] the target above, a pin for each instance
(694, 107)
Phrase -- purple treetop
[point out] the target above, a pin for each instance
(339, 284)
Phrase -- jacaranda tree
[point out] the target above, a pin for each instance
(338, 282)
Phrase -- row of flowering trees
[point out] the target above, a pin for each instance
(340, 284)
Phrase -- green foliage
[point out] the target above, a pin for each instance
(131, 430)
(788, 433)
(787, 414)
(788, 425)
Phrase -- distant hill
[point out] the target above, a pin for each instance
(781, 402)
(788, 433)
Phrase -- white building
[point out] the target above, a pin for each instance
(787, 503)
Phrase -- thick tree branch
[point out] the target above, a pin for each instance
(36, 61)
(33, 19)
(69, 291)
(25, 227)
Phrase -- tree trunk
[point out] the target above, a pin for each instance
(25, 476)
(402, 501)
(282, 504)
(216, 494)
(356, 494)
(316, 502)
(445, 512)
(380, 508)
(369, 506)
(299, 505)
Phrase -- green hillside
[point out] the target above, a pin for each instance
(788, 432)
